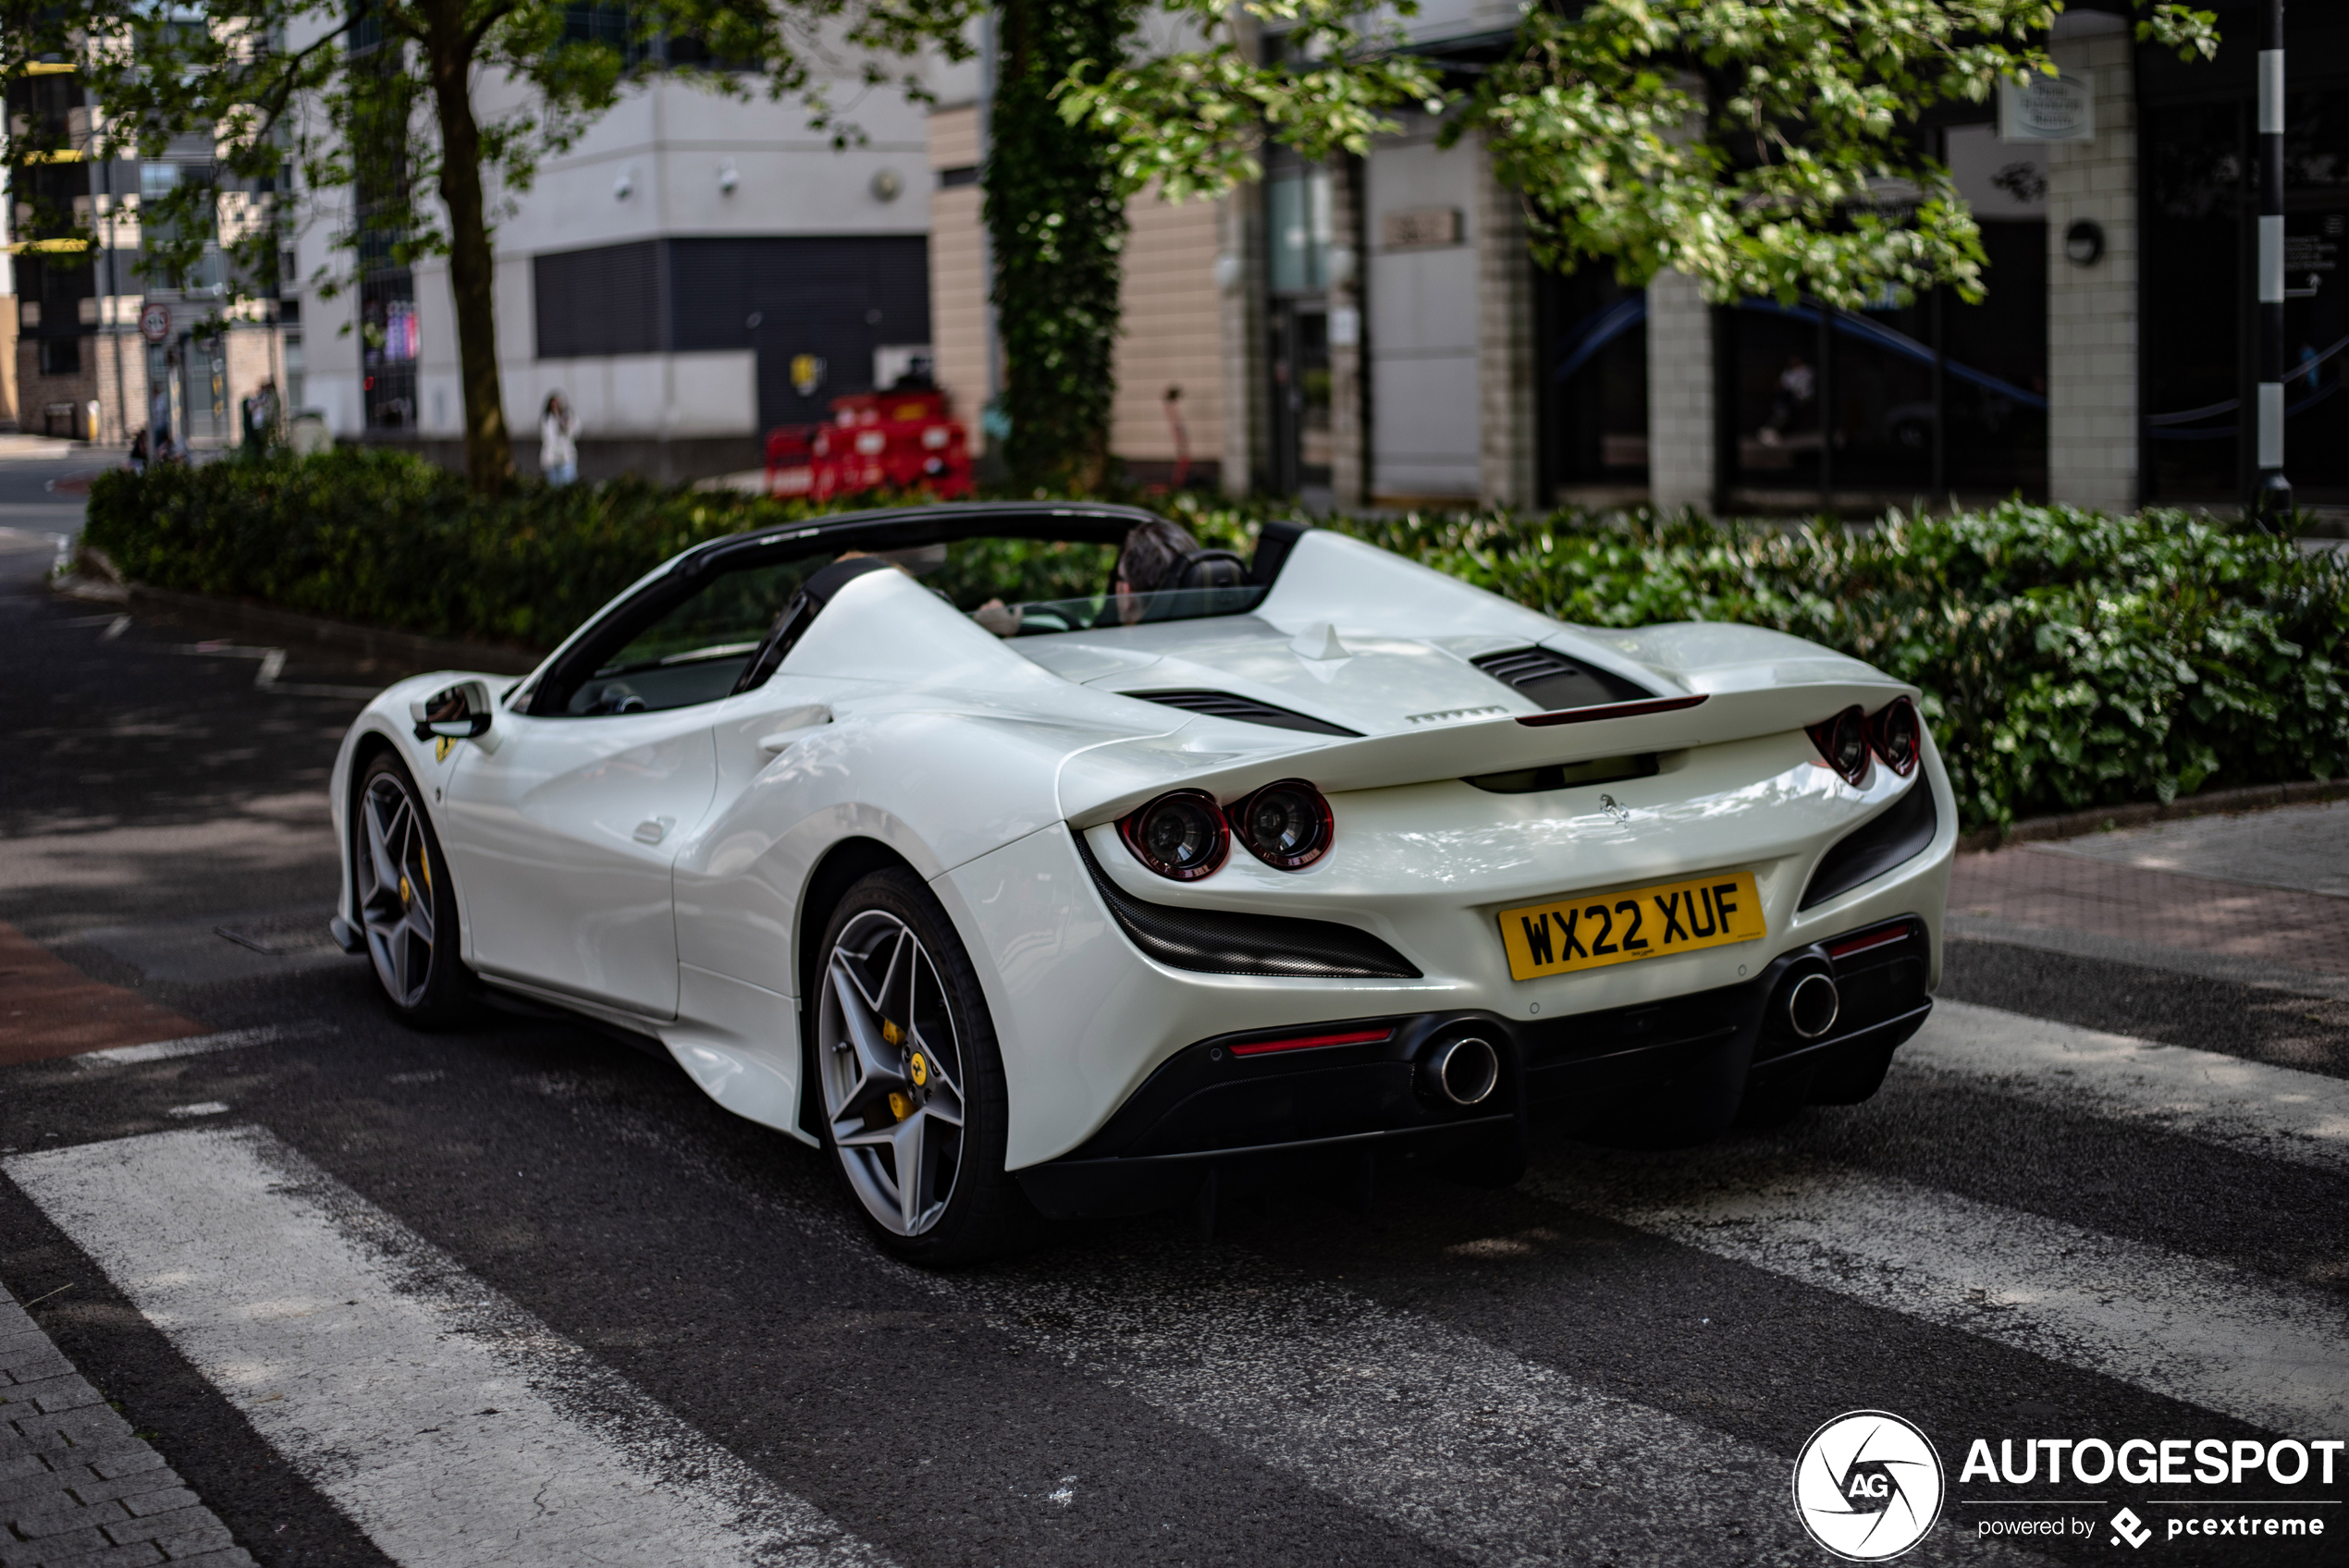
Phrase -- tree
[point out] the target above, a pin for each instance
(1762, 147)
(383, 99)
(1055, 214)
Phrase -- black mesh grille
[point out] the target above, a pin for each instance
(1219, 942)
(1902, 833)
(1223, 704)
(1557, 683)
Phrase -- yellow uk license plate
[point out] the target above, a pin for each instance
(1568, 935)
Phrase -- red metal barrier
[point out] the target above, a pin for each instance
(873, 441)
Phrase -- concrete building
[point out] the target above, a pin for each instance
(83, 366)
(1388, 340)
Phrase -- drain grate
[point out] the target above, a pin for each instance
(280, 936)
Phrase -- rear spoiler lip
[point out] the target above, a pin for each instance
(1612, 710)
(1102, 782)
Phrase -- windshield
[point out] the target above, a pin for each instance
(694, 647)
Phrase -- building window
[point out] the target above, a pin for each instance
(607, 300)
(60, 356)
(1594, 392)
(1296, 211)
(388, 341)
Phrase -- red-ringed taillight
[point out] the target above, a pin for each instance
(1179, 835)
(1843, 741)
(1897, 735)
(1284, 824)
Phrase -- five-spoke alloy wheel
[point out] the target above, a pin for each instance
(913, 1095)
(407, 908)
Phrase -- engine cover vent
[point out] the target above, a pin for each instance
(1557, 683)
(1247, 710)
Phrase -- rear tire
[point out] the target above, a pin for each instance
(909, 1080)
(407, 905)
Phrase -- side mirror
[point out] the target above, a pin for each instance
(461, 712)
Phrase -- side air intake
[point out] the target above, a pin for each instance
(1557, 683)
(1902, 832)
(1222, 942)
(1247, 710)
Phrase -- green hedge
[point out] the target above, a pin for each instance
(378, 535)
(2069, 659)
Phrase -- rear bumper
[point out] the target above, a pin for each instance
(1230, 1107)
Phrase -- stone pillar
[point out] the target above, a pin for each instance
(2091, 311)
(1510, 421)
(1239, 280)
(1349, 434)
(1680, 387)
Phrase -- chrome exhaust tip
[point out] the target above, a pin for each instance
(1462, 1072)
(1809, 1006)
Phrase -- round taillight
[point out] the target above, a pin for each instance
(1180, 835)
(1843, 741)
(1284, 824)
(1898, 735)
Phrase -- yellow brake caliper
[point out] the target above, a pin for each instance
(899, 1106)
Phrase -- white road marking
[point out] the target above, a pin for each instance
(1489, 1456)
(202, 1108)
(1494, 1458)
(194, 1044)
(451, 1426)
(2279, 1112)
(2273, 1355)
(272, 663)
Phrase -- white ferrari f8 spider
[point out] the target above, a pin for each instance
(930, 836)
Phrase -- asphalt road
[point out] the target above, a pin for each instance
(378, 1296)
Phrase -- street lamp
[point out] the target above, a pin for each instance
(2271, 497)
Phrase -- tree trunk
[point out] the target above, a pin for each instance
(490, 454)
(1058, 230)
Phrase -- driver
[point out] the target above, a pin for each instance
(1154, 556)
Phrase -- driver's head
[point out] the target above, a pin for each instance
(1155, 554)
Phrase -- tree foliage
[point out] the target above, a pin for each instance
(1762, 147)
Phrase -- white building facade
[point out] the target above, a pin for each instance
(695, 271)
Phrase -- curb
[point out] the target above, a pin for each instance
(2074, 825)
(263, 620)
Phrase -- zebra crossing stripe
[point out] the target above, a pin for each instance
(2277, 1111)
(1494, 1459)
(193, 1044)
(449, 1425)
(2212, 1335)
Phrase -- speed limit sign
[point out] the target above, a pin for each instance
(154, 323)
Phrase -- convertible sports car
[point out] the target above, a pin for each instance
(906, 834)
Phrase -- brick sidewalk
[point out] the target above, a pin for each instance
(78, 1487)
(50, 1008)
(2031, 887)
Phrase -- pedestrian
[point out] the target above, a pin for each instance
(558, 452)
(139, 451)
(260, 413)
